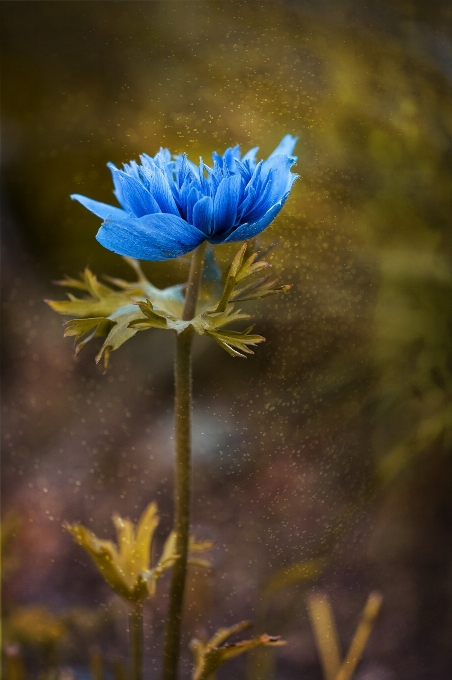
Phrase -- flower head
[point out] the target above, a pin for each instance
(170, 205)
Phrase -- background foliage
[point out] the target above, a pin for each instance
(333, 441)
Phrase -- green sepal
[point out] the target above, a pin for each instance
(209, 656)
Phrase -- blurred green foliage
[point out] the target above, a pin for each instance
(344, 416)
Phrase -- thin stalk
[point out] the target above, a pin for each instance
(183, 393)
(193, 283)
(136, 640)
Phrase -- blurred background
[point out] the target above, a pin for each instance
(333, 442)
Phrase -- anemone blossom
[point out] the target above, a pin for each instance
(170, 205)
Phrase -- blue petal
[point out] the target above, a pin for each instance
(244, 170)
(100, 209)
(226, 202)
(152, 237)
(164, 155)
(250, 156)
(193, 197)
(193, 167)
(285, 146)
(132, 195)
(202, 215)
(230, 155)
(160, 190)
(277, 170)
(132, 169)
(248, 199)
(251, 229)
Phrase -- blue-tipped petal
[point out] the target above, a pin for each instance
(250, 230)
(203, 214)
(102, 210)
(285, 147)
(225, 203)
(152, 237)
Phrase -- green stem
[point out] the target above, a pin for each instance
(194, 281)
(183, 470)
(136, 640)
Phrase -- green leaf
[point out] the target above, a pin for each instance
(166, 561)
(237, 343)
(259, 288)
(102, 300)
(153, 318)
(209, 656)
(105, 556)
(80, 329)
(126, 566)
(119, 333)
(87, 307)
(243, 269)
(294, 573)
(134, 549)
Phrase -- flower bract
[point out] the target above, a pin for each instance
(169, 205)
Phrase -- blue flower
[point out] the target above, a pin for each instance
(170, 205)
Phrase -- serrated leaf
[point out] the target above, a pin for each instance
(120, 332)
(88, 307)
(152, 318)
(214, 320)
(243, 269)
(236, 343)
(103, 300)
(209, 656)
(251, 266)
(259, 288)
(79, 328)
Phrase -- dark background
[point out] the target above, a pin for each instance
(333, 440)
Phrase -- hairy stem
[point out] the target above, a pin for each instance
(183, 470)
(136, 640)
